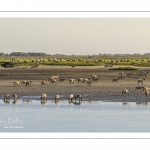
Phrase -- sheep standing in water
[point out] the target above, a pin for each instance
(126, 92)
(43, 97)
(6, 97)
(15, 96)
(78, 96)
(70, 97)
(57, 97)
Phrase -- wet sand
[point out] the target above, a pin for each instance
(103, 90)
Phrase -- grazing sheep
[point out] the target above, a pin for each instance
(57, 102)
(62, 80)
(54, 77)
(129, 74)
(43, 82)
(126, 92)
(53, 81)
(121, 74)
(89, 82)
(28, 83)
(23, 82)
(145, 74)
(115, 80)
(139, 87)
(95, 79)
(6, 97)
(16, 83)
(140, 81)
(80, 80)
(70, 97)
(43, 96)
(57, 97)
(94, 76)
(71, 80)
(15, 96)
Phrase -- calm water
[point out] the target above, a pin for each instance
(96, 116)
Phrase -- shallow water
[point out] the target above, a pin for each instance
(96, 116)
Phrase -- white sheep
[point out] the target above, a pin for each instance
(89, 82)
(16, 83)
(56, 97)
(94, 76)
(53, 81)
(80, 80)
(43, 96)
(126, 92)
(71, 80)
(43, 82)
(70, 97)
(28, 83)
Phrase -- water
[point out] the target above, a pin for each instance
(96, 116)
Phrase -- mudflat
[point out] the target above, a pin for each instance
(104, 89)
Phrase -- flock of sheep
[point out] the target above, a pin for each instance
(94, 78)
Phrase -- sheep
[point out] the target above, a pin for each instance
(56, 97)
(43, 96)
(15, 96)
(95, 79)
(85, 80)
(53, 81)
(70, 97)
(89, 82)
(23, 82)
(145, 74)
(54, 77)
(121, 74)
(28, 83)
(78, 96)
(6, 97)
(126, 92)
(80, 80)
(115, 80)
(139, 87)
(129, 74)
(140, 81)
(16, 83)
(71, 80)
(62, 80)
(94, 76)
(43, 82)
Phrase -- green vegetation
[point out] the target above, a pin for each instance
(74, 61)
(124, 68)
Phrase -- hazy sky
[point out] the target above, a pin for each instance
(75, 35)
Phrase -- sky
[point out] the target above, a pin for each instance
(79, 36)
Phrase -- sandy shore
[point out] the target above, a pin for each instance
(103, 90)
